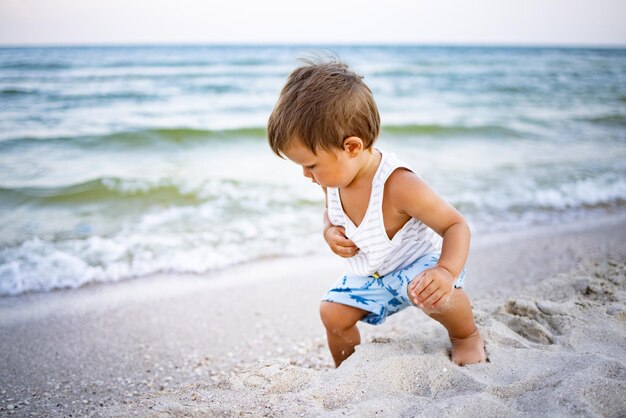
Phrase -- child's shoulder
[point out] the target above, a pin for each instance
(401, 180)
(403, 186)
(401, 175)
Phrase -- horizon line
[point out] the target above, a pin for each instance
(318, 44)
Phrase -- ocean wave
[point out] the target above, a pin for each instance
(250, 61)
(152, 136)
(196, 227)
(227, 193)
(105, 189)
(190, 240)
(216, 88)
(78, 100)
(187, 63)
(512, 89)
(398, 72)
(16, 92)
(607, 190)
(33, 65)
(144, 137)
(75, 101)
(157, 64)
(186, 134)
(451, 130)
(617, 119)
(165, 226)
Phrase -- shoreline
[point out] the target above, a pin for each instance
(102, 347)
(482, 238)
(479, 242)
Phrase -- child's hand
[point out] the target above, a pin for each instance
(335, 236)
(431, 288)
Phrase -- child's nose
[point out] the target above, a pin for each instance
(306, 172)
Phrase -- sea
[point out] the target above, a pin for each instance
(119, 162)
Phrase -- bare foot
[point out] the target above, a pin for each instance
(468, 350)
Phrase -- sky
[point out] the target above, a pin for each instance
(516, 22)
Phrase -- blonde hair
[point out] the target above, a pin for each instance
(322, 104)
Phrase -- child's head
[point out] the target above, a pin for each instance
(322, 104)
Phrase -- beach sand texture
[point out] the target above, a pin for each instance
(551, 305)
(557, 351)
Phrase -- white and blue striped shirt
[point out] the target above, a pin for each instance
(378, 254)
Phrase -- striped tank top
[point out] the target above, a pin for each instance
(378, 254)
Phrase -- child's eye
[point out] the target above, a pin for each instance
(310, 167)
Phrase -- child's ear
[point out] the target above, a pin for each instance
(353, 145)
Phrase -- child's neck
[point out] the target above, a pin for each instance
(371, 160)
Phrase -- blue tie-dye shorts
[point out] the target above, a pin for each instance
(382, 296)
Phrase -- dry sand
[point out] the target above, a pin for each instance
(551, 304)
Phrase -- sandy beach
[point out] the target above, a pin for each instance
(550, 301)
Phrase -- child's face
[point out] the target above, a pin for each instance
(327, 168)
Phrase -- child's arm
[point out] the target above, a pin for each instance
(335, 236)
(410, 195)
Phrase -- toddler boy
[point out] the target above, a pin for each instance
(403, 243)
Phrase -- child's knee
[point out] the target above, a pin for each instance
(437, 310)
(338, 317)
(431, 310)
(457, 302)
(331, 315)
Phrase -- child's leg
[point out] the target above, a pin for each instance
(456, 316)
(340, 323)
